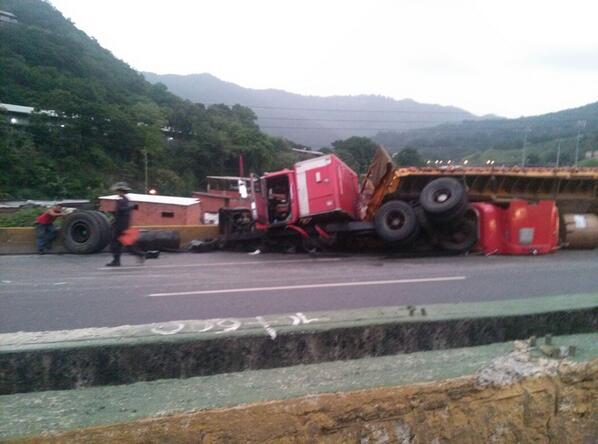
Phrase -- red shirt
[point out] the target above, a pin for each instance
(45, 219)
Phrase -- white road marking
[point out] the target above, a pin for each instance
(271, 332)
(223, 264)
(301, 287)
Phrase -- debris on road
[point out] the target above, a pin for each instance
(203, 246)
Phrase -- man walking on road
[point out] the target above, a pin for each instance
(122, 221)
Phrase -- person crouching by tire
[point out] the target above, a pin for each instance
(122, 221)
(45, 230)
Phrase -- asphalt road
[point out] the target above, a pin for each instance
(55, 292)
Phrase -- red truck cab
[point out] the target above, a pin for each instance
(320, 189)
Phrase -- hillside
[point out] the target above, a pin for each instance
(502, 140)
(311, 120)
(106, 119)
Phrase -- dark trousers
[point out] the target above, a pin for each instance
(45, 234)
(116, 247)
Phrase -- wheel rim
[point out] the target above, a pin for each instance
(395, 220)
(80, 232)
(441, 196)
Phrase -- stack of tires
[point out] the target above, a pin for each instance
(86, 232)
(441, 212)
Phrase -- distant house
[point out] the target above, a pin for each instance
(149, 209)
(19, 115)
(7, 17)
(222, 192)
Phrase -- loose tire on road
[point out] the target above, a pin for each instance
(460, 237)
(162, 240)
(396, 221)
(83, 233)
(444, 199)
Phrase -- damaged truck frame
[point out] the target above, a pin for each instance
(319, 202)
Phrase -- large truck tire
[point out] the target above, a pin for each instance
(395, 221)
(162, 240)
(83, 233)
(459, 237)
(106, 228)
(444, 199)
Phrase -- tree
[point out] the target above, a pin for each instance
(409, 157)
(357, 152)
(532, 159)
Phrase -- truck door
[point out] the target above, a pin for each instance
(316, 185)
(259, 201)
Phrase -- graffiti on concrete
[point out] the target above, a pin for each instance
(269, 324)
(228, 325)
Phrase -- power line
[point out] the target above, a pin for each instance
(300, 119)
(469, 116)
(428, 129)
(445, 122)
(353, 110)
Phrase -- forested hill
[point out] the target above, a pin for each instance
(311, 120)
(106, 118)
(545, 136)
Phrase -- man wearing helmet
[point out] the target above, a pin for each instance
(122, 221)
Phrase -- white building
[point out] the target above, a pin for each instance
(7, 17)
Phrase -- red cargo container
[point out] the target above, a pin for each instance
(326, 185)
(520, 228)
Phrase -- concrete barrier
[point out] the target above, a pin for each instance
(21, 240)
(496, 393)
(183, 349)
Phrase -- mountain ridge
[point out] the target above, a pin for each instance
(313, 120)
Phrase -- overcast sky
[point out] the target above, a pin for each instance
(504, 57)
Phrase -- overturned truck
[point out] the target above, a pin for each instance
(319, 202)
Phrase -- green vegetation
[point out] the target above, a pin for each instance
(108, 119)
(357, 152)
(502, 140)
(589, 163)
(409, 157)
(23, 217)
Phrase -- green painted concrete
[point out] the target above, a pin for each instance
(184, 349)
(35, 413)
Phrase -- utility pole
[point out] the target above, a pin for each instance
(524, 146)
(145, 161)
(580, 124)
(558, 154)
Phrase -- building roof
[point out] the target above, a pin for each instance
(153, 198)
(228, 178)
(19, 109)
